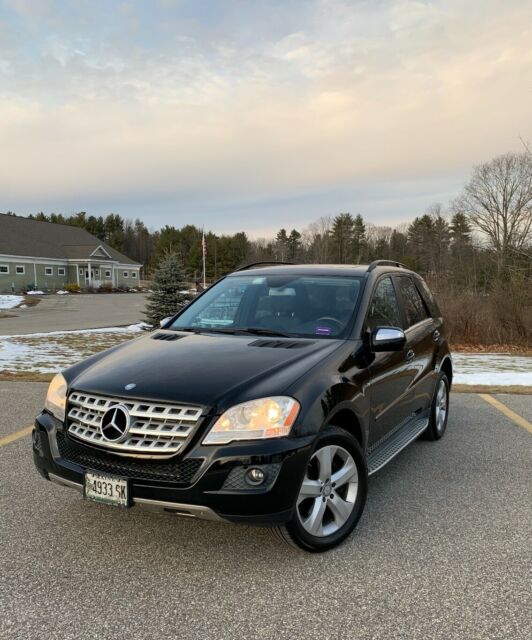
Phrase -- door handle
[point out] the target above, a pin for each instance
(410, 355)
(436, 335)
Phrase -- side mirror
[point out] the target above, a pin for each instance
(164, 322)
(387, 339)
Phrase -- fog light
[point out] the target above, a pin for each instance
(255, 476)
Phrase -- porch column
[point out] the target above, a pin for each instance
(77, 273)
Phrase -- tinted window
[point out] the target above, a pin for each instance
(414, 308)
(318, 306)
(384, 308)
(428, 298)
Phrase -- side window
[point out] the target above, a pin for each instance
(428, 298)
(384, 308)
(414, 307)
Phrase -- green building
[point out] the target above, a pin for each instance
(46, 256)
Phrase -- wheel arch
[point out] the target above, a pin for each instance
(347, 419)
(447, 367)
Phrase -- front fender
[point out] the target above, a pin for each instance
(333, 405)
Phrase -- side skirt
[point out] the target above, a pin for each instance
(395, 443)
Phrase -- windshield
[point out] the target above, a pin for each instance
(291, 305)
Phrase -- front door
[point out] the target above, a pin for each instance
(94, 280)
(390, 378)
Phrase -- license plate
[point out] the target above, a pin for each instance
(106, 489)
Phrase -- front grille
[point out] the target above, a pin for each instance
(181, 472)
(155, 429)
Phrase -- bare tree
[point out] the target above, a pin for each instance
(498, 202)
(526, 145)
(316, 239)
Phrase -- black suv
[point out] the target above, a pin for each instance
(269, 399)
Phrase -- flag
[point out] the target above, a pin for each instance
(204, 252)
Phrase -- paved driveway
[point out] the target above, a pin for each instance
(86, 311)
(442, 551)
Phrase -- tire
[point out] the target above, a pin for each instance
(439, 410)
(318, 522)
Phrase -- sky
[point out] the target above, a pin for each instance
(255, 115)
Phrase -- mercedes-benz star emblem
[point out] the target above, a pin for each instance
(130, 386)
(115, 423)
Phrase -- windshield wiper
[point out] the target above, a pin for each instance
(260, 331)
(208, 329)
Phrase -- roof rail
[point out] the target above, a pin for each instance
(384, 263)
(263, 263)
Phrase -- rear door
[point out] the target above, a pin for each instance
(390, 380)
(421, 343)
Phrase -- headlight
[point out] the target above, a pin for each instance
(255, 420)
(55, 401)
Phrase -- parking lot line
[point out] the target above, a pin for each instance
(15, 436)
(514, 417)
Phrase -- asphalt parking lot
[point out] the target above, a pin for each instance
(70, 312)
(442, 551)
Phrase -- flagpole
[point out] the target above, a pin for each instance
(203, 251)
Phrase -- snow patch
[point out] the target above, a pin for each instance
(57, 350)
(9, 302)
(132, 328)
(500, 369)
(62, 293)
(36, 293)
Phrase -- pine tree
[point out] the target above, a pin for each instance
(359, 238)
(462, 254)
(168, 293)
(421, 239)
(342, 237)
(294, 244)
(281, 245)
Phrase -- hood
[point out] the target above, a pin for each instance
(211, 370)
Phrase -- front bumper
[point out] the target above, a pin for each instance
(215, 489)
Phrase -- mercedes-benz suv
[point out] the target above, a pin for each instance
(269, 399)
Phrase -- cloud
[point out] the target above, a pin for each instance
(331, 97)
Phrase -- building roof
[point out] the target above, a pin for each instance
(34, 238)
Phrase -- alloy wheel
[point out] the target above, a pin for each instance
(329, 491)
(442, 400)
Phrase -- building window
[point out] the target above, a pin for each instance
(81, 272)
(4, 268)
(20, 270)
(107, 274)
(48, 271)
(125, 274)
(61, 271)
(133, 274)
(97, 273)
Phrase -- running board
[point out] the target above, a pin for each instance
(395, 443)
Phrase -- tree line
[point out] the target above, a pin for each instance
(483, 238)
(476, 254)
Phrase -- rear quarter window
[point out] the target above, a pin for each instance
(428, 297)
(415, 309)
